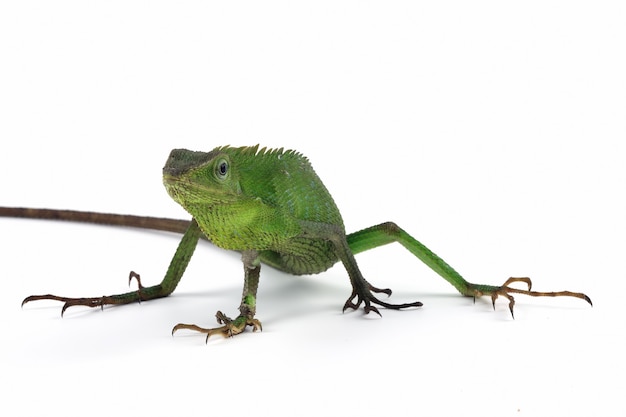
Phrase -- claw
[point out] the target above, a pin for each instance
(142, 293)
(68, 302)
(369, 308)
(140, 287)
(495, 295)
(525, 280)
(505, 291)
(230, 327)
(368, 299)
(380, 290)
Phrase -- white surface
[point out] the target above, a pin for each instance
(492, 131)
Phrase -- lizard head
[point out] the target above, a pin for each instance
(248, 198)
(205, 178)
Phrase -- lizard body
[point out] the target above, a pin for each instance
(272, 207)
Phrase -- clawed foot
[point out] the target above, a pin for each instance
(505, 291)
(230, 327)
(139, 295)
(365, 296)
(68, 302)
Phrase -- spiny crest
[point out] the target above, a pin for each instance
(254, 151)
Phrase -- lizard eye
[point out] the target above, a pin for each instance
(221, 169)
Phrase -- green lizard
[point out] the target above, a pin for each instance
(272, 207)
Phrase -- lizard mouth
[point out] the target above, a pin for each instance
(184, 191)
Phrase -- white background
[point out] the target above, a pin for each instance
(493, 131)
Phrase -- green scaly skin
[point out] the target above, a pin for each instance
(272, 207)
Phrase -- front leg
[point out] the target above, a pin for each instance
(174, 273)
(362, 291)
(247, 308)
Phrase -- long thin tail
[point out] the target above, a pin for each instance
(126, 220)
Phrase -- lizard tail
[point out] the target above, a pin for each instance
(126, 220)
